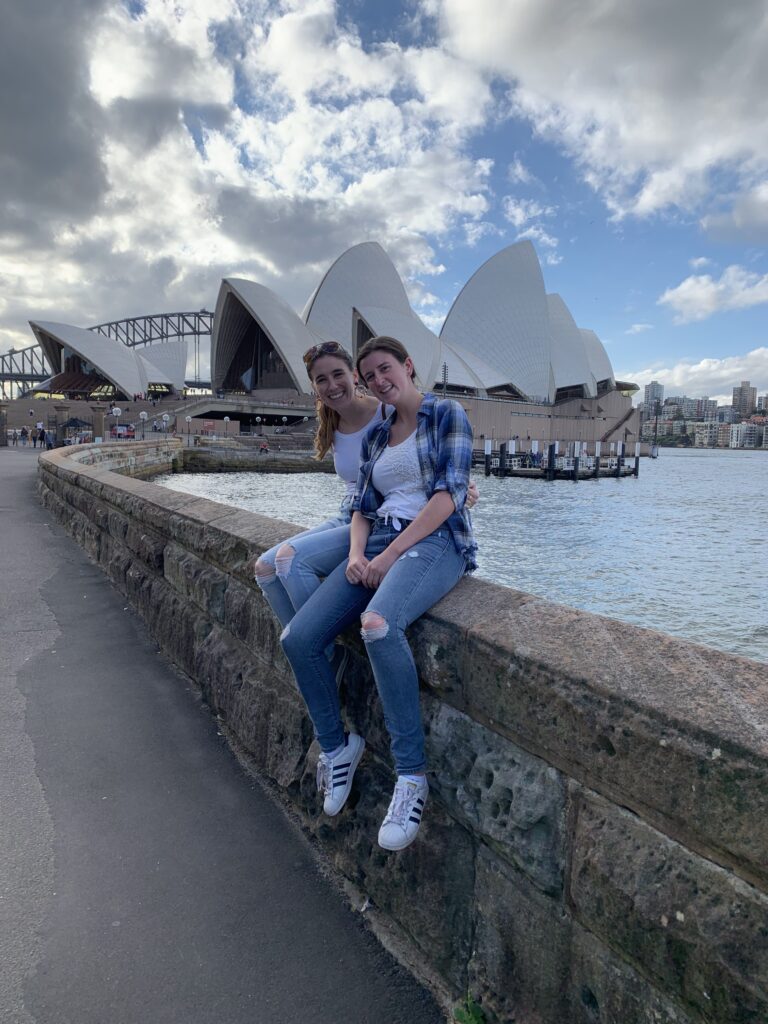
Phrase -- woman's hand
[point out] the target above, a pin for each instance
(378, 568)
(356, 567)
(473, 495)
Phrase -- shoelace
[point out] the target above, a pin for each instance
(402, 802)
(323, 777)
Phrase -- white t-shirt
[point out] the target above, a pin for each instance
(397, 475)
(346, 451)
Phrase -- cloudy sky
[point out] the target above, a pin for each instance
(148, 148)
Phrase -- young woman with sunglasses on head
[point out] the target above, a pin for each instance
(291, 571)
(410, 543)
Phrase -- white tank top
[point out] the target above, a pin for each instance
(397, 475)
(346, 452)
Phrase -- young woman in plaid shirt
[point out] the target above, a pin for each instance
(410, 543)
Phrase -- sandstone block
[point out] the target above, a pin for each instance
(669, 728)
(500, 791)
(519, 964)
(694, 928)
(604, 989)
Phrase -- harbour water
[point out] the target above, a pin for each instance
(681, 549)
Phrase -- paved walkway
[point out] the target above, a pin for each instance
(144, 878)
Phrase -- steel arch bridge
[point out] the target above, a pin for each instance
(23, 368)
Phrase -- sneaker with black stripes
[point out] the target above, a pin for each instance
(401, 824)
(334, 774)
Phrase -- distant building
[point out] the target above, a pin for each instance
(705, 434)
(654, 392)
(744, 398)
(706, 408)
(745, 435)
(723, 435)
(762, 403)
(727, 414)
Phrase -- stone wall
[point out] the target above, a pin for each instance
(595, 849)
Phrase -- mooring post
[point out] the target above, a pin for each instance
(619, 458)
(503, 458)
(551, 461)
(576, 454)
(597, 459)
(637, 458)
(488, 447)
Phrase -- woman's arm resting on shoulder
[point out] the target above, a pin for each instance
(358, 538)
(439, 507)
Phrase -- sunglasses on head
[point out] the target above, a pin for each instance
(325, 348)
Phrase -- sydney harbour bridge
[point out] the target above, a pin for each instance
(23, 369)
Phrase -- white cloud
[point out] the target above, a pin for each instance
(223, 137)
(700, 295)
(699, 262)
(521, 211)
(519, 174)
(713, 377)
(649, 100)
(747, 219)
(639, 328)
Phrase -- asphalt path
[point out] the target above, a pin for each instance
(144, 877)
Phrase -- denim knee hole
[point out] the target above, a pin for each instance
(374, 627)
(264, 573)
(284, 560)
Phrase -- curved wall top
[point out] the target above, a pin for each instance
(599, 363)
(125, 367)
(501, 316)
(569, 355)
(288, 333)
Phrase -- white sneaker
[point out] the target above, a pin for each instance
(401, 824)
(334, 775)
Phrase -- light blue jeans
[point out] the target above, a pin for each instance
(317, 553)
(417, 580)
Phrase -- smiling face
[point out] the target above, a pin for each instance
(386, 377)
(333, 382)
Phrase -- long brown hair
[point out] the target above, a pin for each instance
(384, 344)
(327, 419)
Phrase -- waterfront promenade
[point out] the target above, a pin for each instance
(145, 878)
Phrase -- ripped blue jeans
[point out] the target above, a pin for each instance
(292, 580)
(417, 580)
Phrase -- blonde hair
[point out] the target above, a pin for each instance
(327, 419)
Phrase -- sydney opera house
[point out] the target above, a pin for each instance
(510, 352)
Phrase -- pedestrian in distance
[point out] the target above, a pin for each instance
(24, 435)
(410, 542)
(15, 438)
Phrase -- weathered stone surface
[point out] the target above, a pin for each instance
(148, 545)
(427, 889)
(604, 989)
(517, 692)
(658, 724)
(249, 619)
(196, 580)
(519, 963)
(698, 931)
(501, 792)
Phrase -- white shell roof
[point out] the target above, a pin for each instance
(130, 371)
(169, 358)
(364, 277)
(467, 370)
(239, 299)
(501, 315)
(599, 363)
(569, 355)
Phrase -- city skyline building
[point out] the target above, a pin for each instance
(744, 398)
(654, 392)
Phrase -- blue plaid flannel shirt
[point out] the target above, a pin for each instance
(444, 446)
